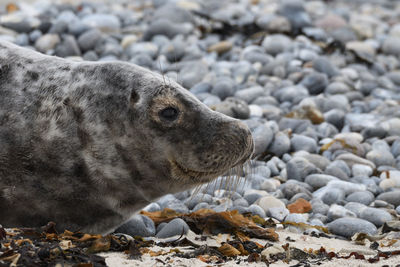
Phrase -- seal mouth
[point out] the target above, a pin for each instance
(180, 171)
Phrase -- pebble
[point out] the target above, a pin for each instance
(175, 227)
(138, 225)
(336, 211)
(104, 22)
(47, 42)
(301, 142)
(363, 197)
(376, 216)
(268, 202)
(319, 180)
(280, 144)
(392, 197)
(348, 226)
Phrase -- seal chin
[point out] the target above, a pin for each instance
(178, 171)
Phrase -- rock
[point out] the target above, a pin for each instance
(376, 216)
(256, 210)
(194, 200)
(299, 206)
(347, 227)
(250, 94)
(138, 225)
(223, 88)
(318, 207)
(268, 202)
(278, 213)
(319, 161)
(193, 73)
(301, 142)
(331, 22)
(324, 65)
(390, 46)
(166, 28)
(88, 40)
(363, 197)
(277, 43)
(392, 197)
(241, 202)
(298, 168)
(268, 185)
(361, 170)
(294, 11)
(174, 13)
(381, 158)
(315, 82)
(293, 187)
(152, 207)
(175, 227)
(296, 218)
(333, 195)
(355, 207)
(103, 22)
(272, 250)
(69, 47)
(337, 88)
(318, 180)
(220, 47)
(262, 137)
(337, 211)
(352, 159)
(147, 48)
(280, 144)
(47, 42)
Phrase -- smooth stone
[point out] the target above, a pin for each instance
(348, 226)
(355, 207)
(272, 250)
(393, 126)
(278, 213)
(381, 158)
(352, 159)
(296, 217)
(166, 28)
(280, 144)
(147, 48)
(193, 73)
(298, 168)
(336, 211)
(388, 183)
(268, 185)
(201, 205)
(194, 200)
(262, 170)
(391, 46)
(251, 198)
(332, 196)
(337, 88)
(347, 187)
(276, 43)
(301, 142)
(262, 137)
(292, 188)
(103, 22)
(395, 149)
(363, 197)
(376, 216)
(318, 207)
(324, 65)
(256, 210)
(392, 197)
(315, 82)
(47, 42)
(175, 227)
(295, 12)
(223, 88)
(138, 225)
(152, 207)
(319, 180)
(241, 202)
(361, 170)
(250, 94)
(318, 160)
(268, 202)
(398, 210)
(175, 12)
(88, 40)
(68, 47)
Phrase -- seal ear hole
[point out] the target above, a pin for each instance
(134, 97)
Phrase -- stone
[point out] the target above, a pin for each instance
(361, 170)
(298, 168)
(268, 202)
(315, 82)
(88, 40)
(200, 197)
(166, 28)
(250, 94)
(256, 210)
(175, 227)
(220, 47)
(381, 158)
(324, 65)
(276, 43)
(294, 11)
(296, 218)
(193, 73)
(333, 195)
(103, 22)
(376, 216)
(392, 197)
(262, 137)
(138, 225)
(336, 211)
(348, 226)
(301, 142)
(299, 206)
(319, 180)
(47, 42)
(352, 159)
(391, 45)
(280, 144)
(363, 197)
(355, 207)
(278, 213)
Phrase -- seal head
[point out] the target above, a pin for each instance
(88, 144)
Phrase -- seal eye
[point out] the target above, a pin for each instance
(169, 114)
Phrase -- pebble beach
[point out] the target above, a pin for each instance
(317, 82)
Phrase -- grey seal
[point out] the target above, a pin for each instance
(87, 144)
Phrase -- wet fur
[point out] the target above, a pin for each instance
(81, 143)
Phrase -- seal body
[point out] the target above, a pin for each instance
(87, 144)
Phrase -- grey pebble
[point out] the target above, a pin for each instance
(175, 227)
(348, 226)
(138, 225)
(376, 216)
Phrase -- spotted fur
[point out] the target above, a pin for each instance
(82, 144)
